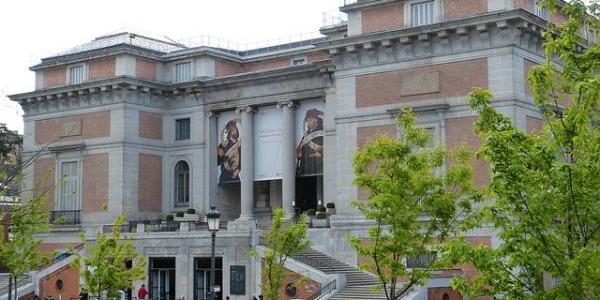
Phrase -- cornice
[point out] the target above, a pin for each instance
(521, 18)
(361, 4)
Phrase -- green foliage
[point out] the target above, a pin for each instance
(415, 204)
(104, 268)
(545, 186)
(330, 205)
(282, 241)
(19, 249)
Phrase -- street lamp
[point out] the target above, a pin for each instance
(212, 216)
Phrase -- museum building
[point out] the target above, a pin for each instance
(161, 131)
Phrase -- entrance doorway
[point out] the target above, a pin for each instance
(309, 192)
(162, 278)
(202, 278)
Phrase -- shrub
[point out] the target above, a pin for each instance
(179, 214)
(321, 208)
(330, 205)
(321, 215)
(191, 211)
(311, 212)
(170, 218)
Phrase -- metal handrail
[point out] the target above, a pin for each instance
(328, 288)
(315, 263)
(66, 217)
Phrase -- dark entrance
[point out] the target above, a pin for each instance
(308, 192)
(162, 278)
(202, 278)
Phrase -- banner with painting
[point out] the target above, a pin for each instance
(229, 148)
(267, 143)
(309, 137)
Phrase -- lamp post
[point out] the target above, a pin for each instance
(212, 216)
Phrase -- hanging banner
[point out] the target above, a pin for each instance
(267, 143)
(229, 147)
(309, 137)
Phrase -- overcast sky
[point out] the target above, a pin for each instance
(32, 29)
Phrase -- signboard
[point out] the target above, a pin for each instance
(309, 138)
(229, 147)
(267, 143)
(237, 283)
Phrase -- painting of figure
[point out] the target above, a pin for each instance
(229, 153)
(309, 152)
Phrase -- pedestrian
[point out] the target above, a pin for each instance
(260, 297)
(142, 292)
(226, 297)
(254, 297)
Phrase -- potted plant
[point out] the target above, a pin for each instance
(330, 208)
(170, 218)
(320, 220)
(191, 211)
(310, 214)
(179, 214)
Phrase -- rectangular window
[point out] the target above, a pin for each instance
(76, 75)
(541, 12)
(421, 13)
(69, 187)
(182, 129)
(420, 261)
(298, 61)
(183, 72)
(588, 34)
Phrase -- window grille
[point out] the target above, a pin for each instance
(421, 13)
(183, 72)
(76, 75)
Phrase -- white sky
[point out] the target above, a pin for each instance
(32, 29)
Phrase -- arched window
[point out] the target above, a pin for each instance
(182, 184)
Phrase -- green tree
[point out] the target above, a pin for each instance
(282, 241)
(104, 268)
(545, 187)
(416, 204)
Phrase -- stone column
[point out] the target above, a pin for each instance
(247, 163)
(210, 161)
(288, 180)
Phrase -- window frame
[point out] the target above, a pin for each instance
(178, 131)
(176, 79)
(59, 191)
(541, 12)
(176, 202)
(84, 76)
(437, 12)
(294, 59)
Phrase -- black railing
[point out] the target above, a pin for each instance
(324, 291)
(203, 226)
(315, 263)
(66, 217)
(125, 228)
(163, 227)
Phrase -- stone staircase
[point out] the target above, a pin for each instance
(359, 284)
(4, 283)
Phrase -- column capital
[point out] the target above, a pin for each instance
(246, 109)
(212, 114)
(289, 104)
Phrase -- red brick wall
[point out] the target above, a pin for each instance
(365, 135)
(454, 9)
(275, 63)
(524, 4)
(93, 125)
(303, 292)
(150, 183)
(95, 182)
(150, 125)
(70, 279)
(460, 131)
(43, 179)
(438, 294)
(317, 56)
(56, 76)
(102, 68)
(533, 125)
(145, 69)
(226, 68)
(453, 80)
(383, 17)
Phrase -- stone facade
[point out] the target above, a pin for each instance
(123, 125)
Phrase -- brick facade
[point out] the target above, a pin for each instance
(307, 289)
(383, 17)
(443, 293)
(72, 128)
(145, 69)
(422, 83)
(95, 182)
(150, 183)
(102, 68)
(150, 125)
(43, 178)
(455, 9)
(53, 77)
(533, 125)
(69, 289)
(365, 135)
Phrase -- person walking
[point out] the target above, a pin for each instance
(142, 292)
